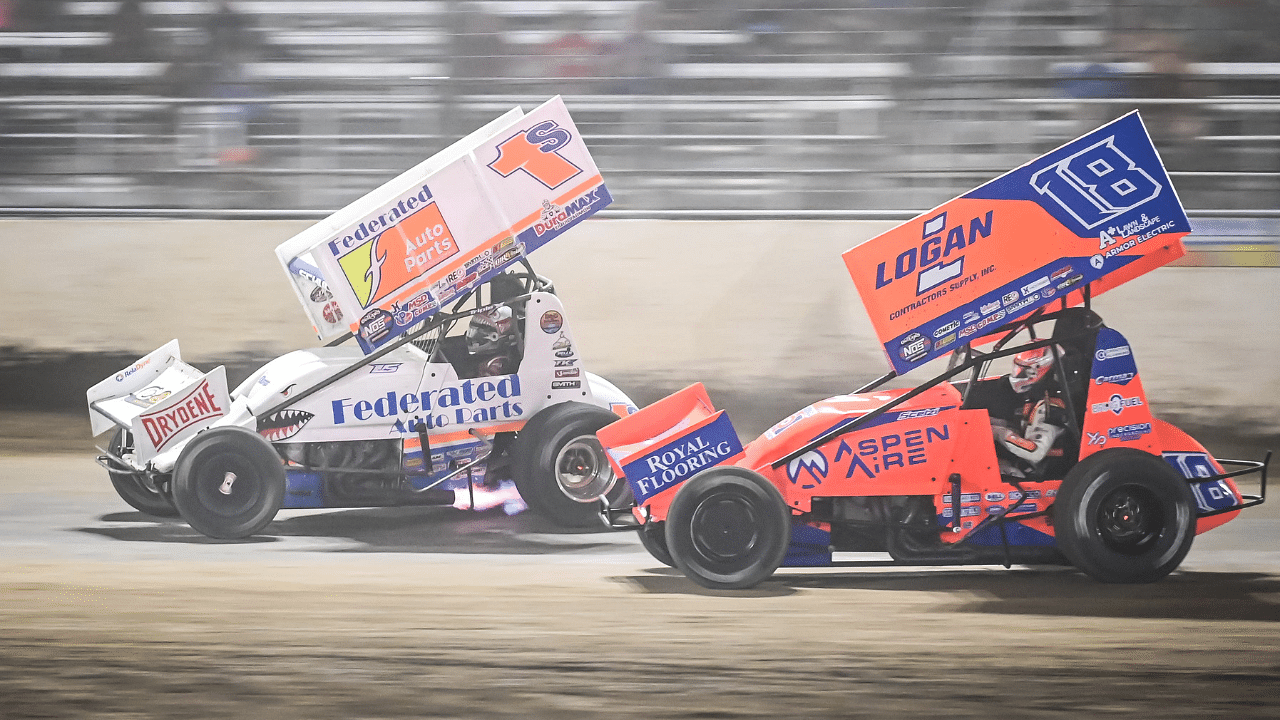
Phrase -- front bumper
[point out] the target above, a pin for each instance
(618, 518)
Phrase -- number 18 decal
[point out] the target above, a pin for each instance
(1096, 184)
(537, 152)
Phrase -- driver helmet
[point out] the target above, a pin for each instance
(1030, 367)
(491, 331)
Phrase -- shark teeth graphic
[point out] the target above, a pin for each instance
(282, 425)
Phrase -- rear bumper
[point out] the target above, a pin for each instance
(1247, 467)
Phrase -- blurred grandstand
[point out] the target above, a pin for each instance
(817, 108)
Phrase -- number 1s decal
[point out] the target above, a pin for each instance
(537, 152)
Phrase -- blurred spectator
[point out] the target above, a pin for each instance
(637, 59)
(480, 53)
(1174, 123)
(34, 15)
(573, 58)
(768, 30)
(131, 34)
(1091, 82)
(215, 68)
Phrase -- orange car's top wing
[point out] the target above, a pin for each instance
(1099, 210)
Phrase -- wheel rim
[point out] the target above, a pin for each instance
(724, 528)
(227, 485)
(1130, 519)
(582, 471)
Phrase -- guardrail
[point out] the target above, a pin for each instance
(724, 156)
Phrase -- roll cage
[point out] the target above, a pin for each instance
(440, 323)
(969, 359)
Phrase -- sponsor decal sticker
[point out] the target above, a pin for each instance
(376, 325)
(1129, 432)
(551, 322)
(565, 384)
(1112, 352)
(949, 327)
(913, 347)
(790, 420)
(1096, 184)
(1033, 286)
(682, 458)
(871, 456)
(1070, 281)
(567, 372)
(474, 400)
(536, 152)
(812, 466)
(562, 348)
(405, 242)
(197, 406)
(147, 396)
(1116, 404)
(931, 258)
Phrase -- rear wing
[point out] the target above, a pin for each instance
(393, 258)
(1098, 211)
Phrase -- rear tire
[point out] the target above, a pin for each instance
(561, 469)
(134, 488)
(728, 528)
(228, 482)
(1124, 516)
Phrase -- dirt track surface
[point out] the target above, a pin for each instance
(428, 613)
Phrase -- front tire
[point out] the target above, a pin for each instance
(561, 469)
(228, 482)
(1124, 516)
(728, 528)
(653, 536)
(134, 488)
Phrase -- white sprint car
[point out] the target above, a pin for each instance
(463, 385)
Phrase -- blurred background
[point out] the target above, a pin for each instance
(292, 108)
(153, 152)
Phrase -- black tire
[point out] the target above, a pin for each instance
(728, 528)
(1124, 516)
(653, 536)
(557, 464)
(228, 482)
(134, 488)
